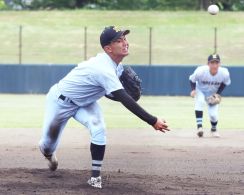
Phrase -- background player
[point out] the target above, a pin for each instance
(76, 96)
(206, 81)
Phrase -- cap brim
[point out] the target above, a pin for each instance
(126, 32)
(216, 60)
(122, 33)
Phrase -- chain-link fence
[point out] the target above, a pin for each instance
(148, 46)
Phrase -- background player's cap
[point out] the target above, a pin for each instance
(214, 57)
(110, 34)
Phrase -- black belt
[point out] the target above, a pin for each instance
(62, 97)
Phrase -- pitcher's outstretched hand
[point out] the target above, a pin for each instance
(161, 125)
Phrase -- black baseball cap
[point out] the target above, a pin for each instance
(214, 57)
(110, 34)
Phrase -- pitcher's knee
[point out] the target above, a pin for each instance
(98, 137)
(46, 147)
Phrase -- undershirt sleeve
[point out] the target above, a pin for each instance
(122, 96)
(193, 85)
(221, 88)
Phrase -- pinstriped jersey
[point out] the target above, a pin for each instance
(208, 83)
(91, 80)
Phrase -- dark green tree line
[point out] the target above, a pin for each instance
(230, 5)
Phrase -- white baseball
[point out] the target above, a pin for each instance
(213, 9)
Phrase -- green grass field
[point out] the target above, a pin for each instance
(178, 37)
(26, 111)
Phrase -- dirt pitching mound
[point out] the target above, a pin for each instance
(42, 181)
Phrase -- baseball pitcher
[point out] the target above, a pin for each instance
(76, 96)
(207, 83)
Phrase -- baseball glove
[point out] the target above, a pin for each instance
(131, 83)
(213, 99)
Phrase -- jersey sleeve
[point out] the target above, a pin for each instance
(109, 81)
(227, 80)
(194, 77)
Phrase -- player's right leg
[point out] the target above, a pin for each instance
(56, 116)
(199, 103)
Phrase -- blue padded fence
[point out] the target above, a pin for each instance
(157, 80)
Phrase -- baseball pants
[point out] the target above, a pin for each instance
(57, 114)
(200, 101)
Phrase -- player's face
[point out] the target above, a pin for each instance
(120, 47)
(213, 67)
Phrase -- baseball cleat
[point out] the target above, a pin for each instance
(95, 182)
(200, 132)
(52, 160)
(215, 134)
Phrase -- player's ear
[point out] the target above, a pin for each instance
(107, 49)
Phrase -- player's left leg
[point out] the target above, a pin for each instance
(91, 117)
(213, 116)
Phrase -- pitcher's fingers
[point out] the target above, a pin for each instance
(165, 126)
(167, 129)
(162, 130)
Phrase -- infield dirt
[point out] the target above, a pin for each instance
(137, 161)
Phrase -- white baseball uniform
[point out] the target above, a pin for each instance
(76, 96)
(207, 85)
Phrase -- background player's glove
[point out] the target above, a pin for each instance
(213, 99)
(131, 83)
